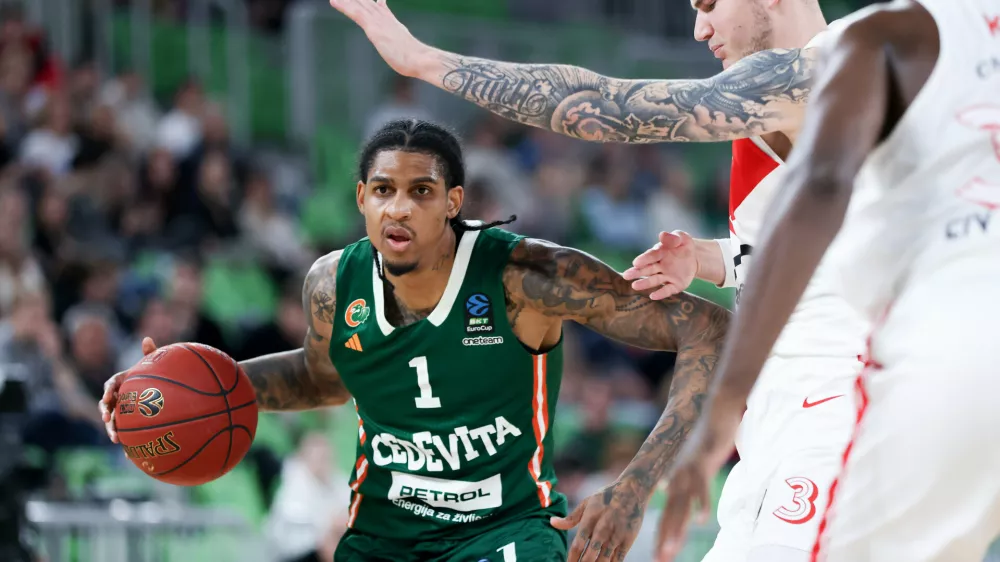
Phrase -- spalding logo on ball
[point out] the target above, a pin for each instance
(150, 402)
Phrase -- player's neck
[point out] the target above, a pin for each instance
(422, 288)
(807, 25)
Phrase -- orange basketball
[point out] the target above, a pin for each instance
(186, 414)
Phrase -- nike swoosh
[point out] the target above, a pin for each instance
(807, 404)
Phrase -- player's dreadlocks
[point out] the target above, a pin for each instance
(414, 135)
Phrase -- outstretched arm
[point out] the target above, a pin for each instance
(304, 378)
(568, 284)
(762, 93)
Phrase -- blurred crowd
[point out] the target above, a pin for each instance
(115, 207)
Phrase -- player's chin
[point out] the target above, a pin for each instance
(397, 267)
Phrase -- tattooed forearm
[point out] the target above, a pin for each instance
(278, 379)
(688, 390)
(752, 97)
(572, 285)
(304, 378)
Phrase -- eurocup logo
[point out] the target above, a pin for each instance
(150, 402)
(478, 305)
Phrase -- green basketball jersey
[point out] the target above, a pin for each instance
(454, 413)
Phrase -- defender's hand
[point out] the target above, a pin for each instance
(669, 267)
(390, 37)
(689, 484)
(110, 398)
(609, 521)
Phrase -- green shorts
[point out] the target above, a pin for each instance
(522, 540)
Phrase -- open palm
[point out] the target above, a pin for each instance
(390, 37)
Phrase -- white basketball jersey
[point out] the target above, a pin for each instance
(823, 324)
(925, 199)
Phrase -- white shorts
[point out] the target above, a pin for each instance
(791, 443)
(922, 479)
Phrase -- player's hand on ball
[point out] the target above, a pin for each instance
(389, 37)
(669, 267)
(608, 522)
(108, 401)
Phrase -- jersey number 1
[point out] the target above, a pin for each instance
(426, 398)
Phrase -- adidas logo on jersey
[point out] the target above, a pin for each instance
(353, 342)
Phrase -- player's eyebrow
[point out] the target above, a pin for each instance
(380, 179)
(423, 179)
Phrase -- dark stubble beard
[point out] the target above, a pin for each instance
(763, 32)
(399, 269)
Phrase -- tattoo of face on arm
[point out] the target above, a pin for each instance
(745, 100)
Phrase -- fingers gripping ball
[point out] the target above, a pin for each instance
(186, 414)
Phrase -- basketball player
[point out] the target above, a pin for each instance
(907, 116)
(801, 414)
(447, 335)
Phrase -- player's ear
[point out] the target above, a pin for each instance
(456, 196)
(361, 197)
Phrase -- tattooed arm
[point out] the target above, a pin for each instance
(762, 93)
(567, 284)
(304, 378)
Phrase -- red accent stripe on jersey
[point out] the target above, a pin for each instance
(540, 423)
(360, 471)
(862, 394)
(362, 437)
(750, 166)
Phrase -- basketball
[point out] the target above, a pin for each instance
(186, 414)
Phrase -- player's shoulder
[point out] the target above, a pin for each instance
(327, 263)
(533, 251)
(322, 275)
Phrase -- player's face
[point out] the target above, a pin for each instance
(407, 206)
(733, 29)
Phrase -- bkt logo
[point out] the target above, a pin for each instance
(478, 305)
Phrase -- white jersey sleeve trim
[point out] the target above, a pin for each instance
(725, 245)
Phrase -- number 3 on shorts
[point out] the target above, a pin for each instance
(508, 553)
(803, 500)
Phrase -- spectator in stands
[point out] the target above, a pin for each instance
(487, 158)
(180, 129)
(559, 183)
(136, 112)
(61, 412)
(98, 137)
(214, 211)
(185, 304)
(156, 322)
(83, 87)
(612, 216)
(285, 333)
(19, 271)
(402, 104)
(669, 207)
(215, 138)
(52, 146)
(93, 351)
(273, 233)
(309, 512)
